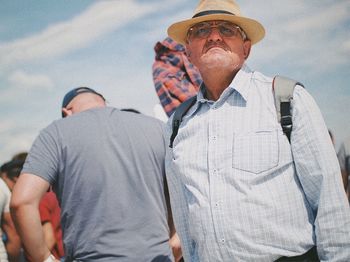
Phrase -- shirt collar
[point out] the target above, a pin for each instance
(240, 83)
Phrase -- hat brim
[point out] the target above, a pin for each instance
(253, 29)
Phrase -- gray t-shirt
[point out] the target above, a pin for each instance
(107, 168)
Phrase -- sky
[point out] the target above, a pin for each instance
(49, 47)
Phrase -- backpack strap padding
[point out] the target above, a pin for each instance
(283, 88)
(180, 111)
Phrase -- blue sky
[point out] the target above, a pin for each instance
(50, 47)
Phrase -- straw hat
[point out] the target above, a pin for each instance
(226, 10)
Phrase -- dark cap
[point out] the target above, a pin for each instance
(76, 91)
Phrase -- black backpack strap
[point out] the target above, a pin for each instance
(283, 90)
(180, 111)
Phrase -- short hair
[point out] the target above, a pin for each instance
(20, 156)
(12, 168)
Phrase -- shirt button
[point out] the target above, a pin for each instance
(223, 241)
(214, 138)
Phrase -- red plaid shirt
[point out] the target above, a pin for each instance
(175, 78)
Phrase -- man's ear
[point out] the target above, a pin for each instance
(246, 48)
(66, 112)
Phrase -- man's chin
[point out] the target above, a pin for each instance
(216, 59)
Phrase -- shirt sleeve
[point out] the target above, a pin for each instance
(44, 155)
(318, 170)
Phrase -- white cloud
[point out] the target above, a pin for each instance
(13, 144)
(16, 137)
(310, 40)
(6, 125)
(24, 80)
(99, 19)
(330, 16)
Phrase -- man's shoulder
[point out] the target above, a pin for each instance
(261, 80)
(141, 118)
(81, 118)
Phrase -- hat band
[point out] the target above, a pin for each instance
(211, 12)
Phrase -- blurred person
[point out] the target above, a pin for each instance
(20, 156)
(240, 191)
(175, 78)
(344, 161)
(50, 217)
(107, 168)
(50, 211)
(9, 175)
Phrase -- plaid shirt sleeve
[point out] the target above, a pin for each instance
(175, 78)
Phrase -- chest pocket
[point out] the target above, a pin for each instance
(255, 152)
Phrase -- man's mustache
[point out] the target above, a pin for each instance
(210, 45)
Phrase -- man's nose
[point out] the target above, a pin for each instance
(214, 34)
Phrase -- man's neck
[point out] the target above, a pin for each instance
(216, 81)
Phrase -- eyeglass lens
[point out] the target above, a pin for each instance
(203, 30)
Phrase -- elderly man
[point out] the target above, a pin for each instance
(107, 169)
(239, 190)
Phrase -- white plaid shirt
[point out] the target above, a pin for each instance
(240, 192)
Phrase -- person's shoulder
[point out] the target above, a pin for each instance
(52, 127)
(145, 122)
(146, 119)
(135, 115)
(81, 118)
(151, 119)
(261, 80)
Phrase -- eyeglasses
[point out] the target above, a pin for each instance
(225, 29)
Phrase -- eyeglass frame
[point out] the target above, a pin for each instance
(240, 30)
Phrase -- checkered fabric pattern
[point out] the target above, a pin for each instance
(175, 78)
